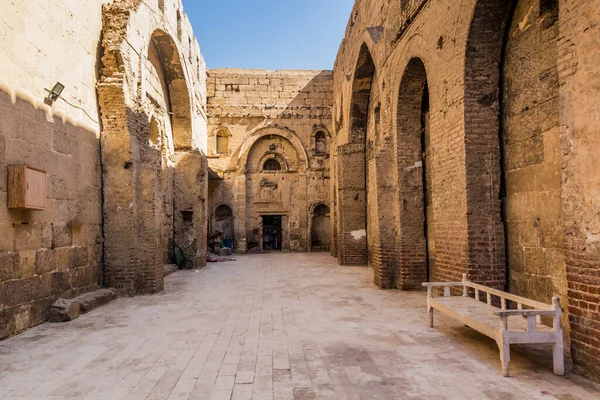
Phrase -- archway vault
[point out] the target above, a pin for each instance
(261, 133)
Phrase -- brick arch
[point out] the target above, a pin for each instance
(316, 226)
(287, 134)
(178, 94)
(351, 206)
(482, 101)
(361, 91)
(412, 143)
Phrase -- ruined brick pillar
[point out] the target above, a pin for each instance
(118, 179)
(190, 206)
(352, 234)
(149, 210)
(384, 247)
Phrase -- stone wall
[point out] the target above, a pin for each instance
(113, 57)
(462, 143)
(263, 115)
(58, 251)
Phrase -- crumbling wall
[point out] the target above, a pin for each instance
(58, 251)
(266, 114)
(152, 102)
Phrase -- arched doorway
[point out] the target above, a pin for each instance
(320, 228)
(224, 224)
(352, 169)
(415, 177)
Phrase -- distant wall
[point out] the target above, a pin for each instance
(264, 115)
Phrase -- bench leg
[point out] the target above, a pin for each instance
(558, 357)
(430, 316)
(505, 357)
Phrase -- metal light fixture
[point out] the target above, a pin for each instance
(56, 91)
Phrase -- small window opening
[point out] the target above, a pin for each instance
(222, 142)
(549, 11)
(272, 165)
(187, 217)
(321, 142)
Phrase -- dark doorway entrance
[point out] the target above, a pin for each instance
(271, 232)
(320, 228)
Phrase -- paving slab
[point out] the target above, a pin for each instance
(273, 326)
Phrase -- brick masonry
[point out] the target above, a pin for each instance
(486, 109)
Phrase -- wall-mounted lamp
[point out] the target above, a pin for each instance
(56, 91)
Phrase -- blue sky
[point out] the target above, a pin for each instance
(269, 34)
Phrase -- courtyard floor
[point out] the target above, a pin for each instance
(272, 326)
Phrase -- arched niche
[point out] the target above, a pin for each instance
(222, 141)
(351, 168)
(263, 136)
(414, 173)
(320, 142)
(320, 226)
(273, 162)
(177, 94)
(224, 222)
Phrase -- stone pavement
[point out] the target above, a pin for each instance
(273, 326)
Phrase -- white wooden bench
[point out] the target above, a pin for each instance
(505, 326)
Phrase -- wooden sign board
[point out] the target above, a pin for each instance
(26, 188)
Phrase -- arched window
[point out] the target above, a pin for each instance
(272, 165)
(321, 142)
(222, 141)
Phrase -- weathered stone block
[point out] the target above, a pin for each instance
(78, 257)
(27, 263)
(62, 236)
(45, 261)
(28, 237)
(85, 276)
(9, 266)
(47, 236)
(62, 258)
(60, 282)
(64, 310)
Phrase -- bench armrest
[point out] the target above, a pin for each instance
(523, 313)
